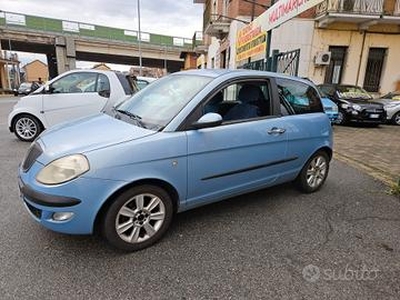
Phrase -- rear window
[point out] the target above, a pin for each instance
(127, 83)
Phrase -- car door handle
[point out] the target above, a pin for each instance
(276, 130)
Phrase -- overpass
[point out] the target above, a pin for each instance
(64, 42)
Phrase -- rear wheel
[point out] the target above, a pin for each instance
(27, 127)
(138, 218)
(314, 173)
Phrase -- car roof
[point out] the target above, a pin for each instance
(214, 73)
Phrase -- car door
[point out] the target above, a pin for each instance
(237, 156)
(75, 95)
(305, 118)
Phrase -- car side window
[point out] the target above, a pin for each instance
(75, 83)
(103, 84)
(301, 97)
(240, 100)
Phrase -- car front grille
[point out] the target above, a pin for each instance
(36, 212)
(33, 153)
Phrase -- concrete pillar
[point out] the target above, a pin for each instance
(52, 65)
(65, 53)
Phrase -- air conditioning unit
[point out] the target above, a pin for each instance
(323, 58)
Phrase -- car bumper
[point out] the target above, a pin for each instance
(366, 117)
(332, 115)
(85, 199)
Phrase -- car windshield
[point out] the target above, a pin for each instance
(353, 92)
(156, 105)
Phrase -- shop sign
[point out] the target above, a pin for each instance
(283, 11)
(250, 41)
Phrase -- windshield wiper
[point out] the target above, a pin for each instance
(133, 116)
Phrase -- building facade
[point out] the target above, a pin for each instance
(338, 41)
(36, 70)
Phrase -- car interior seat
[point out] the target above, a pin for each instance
(213, 104)
(249, 96)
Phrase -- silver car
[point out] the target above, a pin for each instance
(391, 104)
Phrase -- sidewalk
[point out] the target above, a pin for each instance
(374, 150)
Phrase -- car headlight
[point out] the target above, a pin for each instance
(356, 107)
(63, 169)
(335, 108)
(345, 105)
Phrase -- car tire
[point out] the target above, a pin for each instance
(137, 218)
(314, 173)
(341, 119)
(396, 118)
(26, 127)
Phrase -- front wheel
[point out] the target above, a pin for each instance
(396, 118)
(314, 173)
(26, 127)
(341, 119)
(138, 218)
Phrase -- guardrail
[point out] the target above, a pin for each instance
(64, 27)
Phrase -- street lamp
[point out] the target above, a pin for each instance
(139, 38)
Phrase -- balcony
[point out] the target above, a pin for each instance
(364, 13)
(199, 45)
(217, 26)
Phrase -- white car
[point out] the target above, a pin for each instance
(71, 95)
(143, 81)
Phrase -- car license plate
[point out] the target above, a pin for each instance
(374, 116)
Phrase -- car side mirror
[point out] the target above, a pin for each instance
(104, 93)
(208, 120)
(48, 89)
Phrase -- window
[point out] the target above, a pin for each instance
(373, 72)
(301, 97)
(128, 84)
(241, 100)
(76, 83)
(334, 71)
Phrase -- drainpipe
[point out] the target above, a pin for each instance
(361, 55)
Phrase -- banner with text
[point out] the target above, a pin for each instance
(283, 11)
(250, 41)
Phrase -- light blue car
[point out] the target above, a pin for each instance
(330, 108)
(188, 139)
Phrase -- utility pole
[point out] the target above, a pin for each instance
(139, 39)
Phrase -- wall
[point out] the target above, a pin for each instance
(36, 70)
(358, 43)
(292, 35)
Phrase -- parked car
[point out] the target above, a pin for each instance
(330, 108)
(26, 88)
(391, 104)
(355, 104)
(143, 81)
(186, 140)
(71, 95)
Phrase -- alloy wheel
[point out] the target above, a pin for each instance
(26, 128)
(140, 218)
(317, 171)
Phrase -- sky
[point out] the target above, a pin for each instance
(179, 18)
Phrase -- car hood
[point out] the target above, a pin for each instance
(88, 134)
(326, 102)
(363, 103)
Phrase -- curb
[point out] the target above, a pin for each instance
(378, 174)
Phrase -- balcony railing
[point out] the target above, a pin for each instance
(365, 7)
